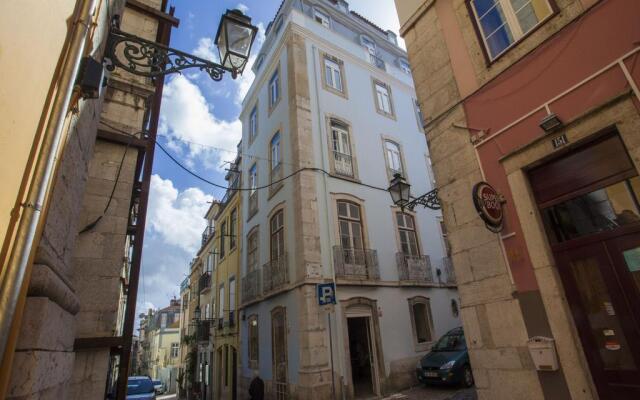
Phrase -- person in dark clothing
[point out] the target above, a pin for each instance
(256, 388)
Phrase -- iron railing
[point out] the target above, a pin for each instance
(204, 282)
(203, 330)
(414, 268)
(353, 263)
(447, 265)
(251, 286)
(343, 164)
(276, 173)
(253, 203)
(275, 274)
(208, 232)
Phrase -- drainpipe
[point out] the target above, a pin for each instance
(18, 268)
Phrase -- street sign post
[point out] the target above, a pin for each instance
(327, 300)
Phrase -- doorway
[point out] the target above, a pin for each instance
(234, 373)
(361, 356)
(589, 204)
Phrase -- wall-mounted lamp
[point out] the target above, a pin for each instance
(550, 123)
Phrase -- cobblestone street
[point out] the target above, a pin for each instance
(434, 393)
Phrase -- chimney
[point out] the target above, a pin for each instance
(392, 37)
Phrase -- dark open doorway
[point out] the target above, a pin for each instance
(361, 356)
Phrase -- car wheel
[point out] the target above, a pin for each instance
(467, 376)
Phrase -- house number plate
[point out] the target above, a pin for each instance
(559, 141)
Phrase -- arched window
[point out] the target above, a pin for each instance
(421, 321)
(341, 147)
(252, 250)
(407, 232)
(394, 157)
(350, 225)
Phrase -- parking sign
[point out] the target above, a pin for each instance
(326, 293)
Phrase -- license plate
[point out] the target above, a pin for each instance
(431, 374)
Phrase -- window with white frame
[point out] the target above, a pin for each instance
(321, 18)
(233, 222)
(333, 74)
(232, 294)
(275, 157)
(383, 98)
(419, 116)
(407, 232)
(502, 22)
(252, 251)
(221, 301)
(404, 66)
(394, 158)
(274, 89)
(253, 124)
(421, 320)
(341, 146)
(253, 178)
(210, 261)
(350, 227)
(369, 44)
(175, 347)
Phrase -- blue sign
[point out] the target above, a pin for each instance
(326, 293)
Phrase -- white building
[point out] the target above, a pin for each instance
(333, 95)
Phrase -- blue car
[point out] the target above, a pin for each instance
(447, 362)
(140, 388)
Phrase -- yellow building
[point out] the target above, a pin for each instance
(226, 276)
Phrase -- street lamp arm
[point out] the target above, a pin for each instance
(428, 200)
(147, 58)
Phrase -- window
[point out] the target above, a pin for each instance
(253, 341)
(252, 251)
(350, 225)
(232, 294)
(383, 98)
(341, 146)
(174, 350)
(277, 235)
(502, 22)
(407, 232)
(419, 116)
(333, 74)
(221, 301)
(207, 311)
(321, 18)
(394, 158)
(163, 320)
(404, 66)
(369, 44)
(253, 193)
(274, 89)
(253, 124)
(422, 322)
(210, 262)
(223, 235)
(275, 158)
(232, 228)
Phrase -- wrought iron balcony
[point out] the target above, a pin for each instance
(203, 331)
(275, 274)
(208, 233)
(204, 282)
(360, 264)
(414, 268)
(447, 265)
(251, 286)
(378, 62)
(343, 164)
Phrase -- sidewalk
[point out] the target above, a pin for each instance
(434, 393)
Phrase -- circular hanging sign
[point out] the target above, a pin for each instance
(488, 203)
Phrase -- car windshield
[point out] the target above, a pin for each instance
(450, 342)
(157, 383)
(139, 386)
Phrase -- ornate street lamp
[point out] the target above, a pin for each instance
(150, 59)
(400, 192)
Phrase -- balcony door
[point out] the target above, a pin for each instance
(351, 237)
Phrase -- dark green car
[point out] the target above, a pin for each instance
(447, 362)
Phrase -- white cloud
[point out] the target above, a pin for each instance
(206, 49)
(186, 117)
(242, 7)
(177, 217)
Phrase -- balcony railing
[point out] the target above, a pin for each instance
(253, 203)
(208, 232)
(414, 268)
(356, 263)
(275, 274)
(203, 331)
(377, 61)
(447, 265)
(343, 164)
(276, 173)
(204, 282)
(251, 286)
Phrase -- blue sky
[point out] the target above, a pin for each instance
(198, 118)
